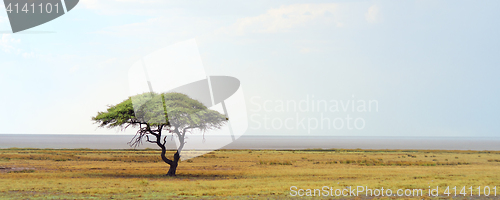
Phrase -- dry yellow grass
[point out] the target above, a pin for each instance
(138, 174)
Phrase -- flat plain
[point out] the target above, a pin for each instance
(240, 174)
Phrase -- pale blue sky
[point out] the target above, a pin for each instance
(433, 66)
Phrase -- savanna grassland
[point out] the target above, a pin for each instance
(235, 174)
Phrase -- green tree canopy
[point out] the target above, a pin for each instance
(154, 114)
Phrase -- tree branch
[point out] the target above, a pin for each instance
(147, 136)
(164, 140)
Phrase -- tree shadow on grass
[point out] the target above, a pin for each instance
(161, 176)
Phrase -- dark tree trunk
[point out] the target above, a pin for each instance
(174, 164)
(171, 171)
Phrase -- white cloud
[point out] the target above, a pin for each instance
(373, 14)
(8, 44)
(3, 19)
(74, 68)
(135, 7)
(91, 4)
(11, 45)
(285, 18)
(28, 55)
(108, 62)
(162, 29)
(305, 50)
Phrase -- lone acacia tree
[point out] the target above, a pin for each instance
(148, 112)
